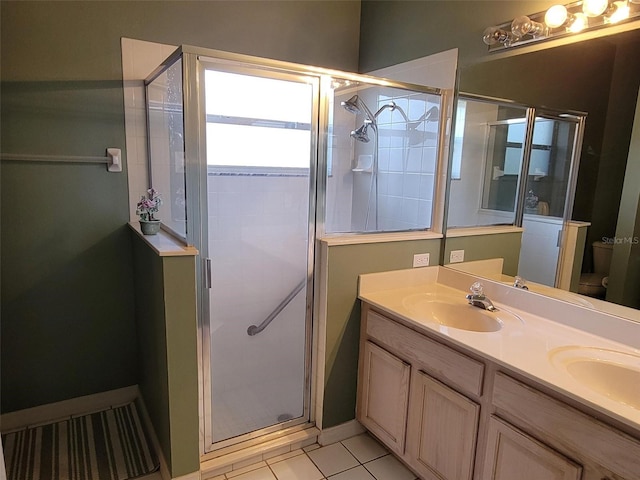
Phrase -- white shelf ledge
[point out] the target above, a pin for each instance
(163, 244)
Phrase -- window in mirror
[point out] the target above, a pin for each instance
(540, 149)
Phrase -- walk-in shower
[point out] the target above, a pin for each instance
(256, 158)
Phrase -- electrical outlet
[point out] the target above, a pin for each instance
(421, 260)
(456, 256)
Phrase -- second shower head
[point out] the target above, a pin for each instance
(361, 134)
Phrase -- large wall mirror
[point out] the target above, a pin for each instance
(600, 77)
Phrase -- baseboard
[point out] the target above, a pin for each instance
(188, 476)
(340, 432)
(73, 407)
(148, 425)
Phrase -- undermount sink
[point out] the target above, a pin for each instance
(606, 372)
(449, 311)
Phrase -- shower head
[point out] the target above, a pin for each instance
(361, 134)
(352, 105)
(430, 115)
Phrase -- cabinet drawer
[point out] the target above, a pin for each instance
(566, 428)
(439, 361)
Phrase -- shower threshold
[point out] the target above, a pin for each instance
(260, 448)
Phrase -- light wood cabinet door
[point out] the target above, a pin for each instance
(442, 431)
(384, 396)
(512, 454)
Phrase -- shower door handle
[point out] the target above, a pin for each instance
(207, 273)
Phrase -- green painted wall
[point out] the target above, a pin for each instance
(394, 31)
(168, 367)
(68, 324)
(624, 275)
(345, 263)
(482, 247)
(152, 340)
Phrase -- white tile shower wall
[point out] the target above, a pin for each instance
(258, 227)
(407, 156)
(139, 59)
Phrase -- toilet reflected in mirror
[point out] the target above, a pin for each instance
(595, 284)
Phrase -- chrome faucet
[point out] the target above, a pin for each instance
(520, 282)
(478, 299)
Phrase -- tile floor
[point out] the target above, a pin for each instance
(357, 458)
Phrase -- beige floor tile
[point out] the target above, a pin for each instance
(332, 459)
(296, 468)
(263, 473)
(364, 448)
(358, 473)
(388, 468)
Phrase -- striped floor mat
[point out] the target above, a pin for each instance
(108, 445)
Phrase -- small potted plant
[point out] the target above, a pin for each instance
(146, 209)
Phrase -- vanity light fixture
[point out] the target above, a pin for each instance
(560, 20)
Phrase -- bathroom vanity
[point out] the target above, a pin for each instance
(458, 392)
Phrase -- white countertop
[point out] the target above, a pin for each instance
(523, 346)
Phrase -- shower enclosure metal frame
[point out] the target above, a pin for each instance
(194, 62)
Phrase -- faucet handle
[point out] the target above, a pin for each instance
(520, 282)
(477, 289)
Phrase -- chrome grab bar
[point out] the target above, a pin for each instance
(254, 330)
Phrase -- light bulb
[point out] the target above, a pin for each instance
(556, 16)
(620, 12)
(580, 22)
(523, 25)
(493, 35)
(593, 8)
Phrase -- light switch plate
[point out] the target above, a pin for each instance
(456, 256)
(421, 260)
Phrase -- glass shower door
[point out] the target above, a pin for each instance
(549, 192)
(261, 156)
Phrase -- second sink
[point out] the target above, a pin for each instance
(607, 372)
